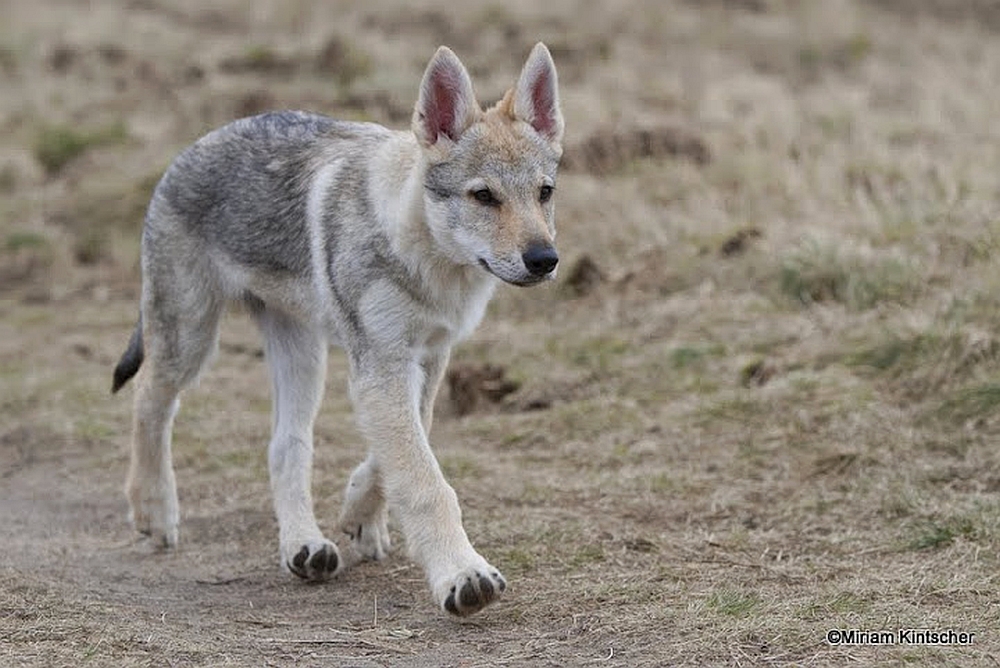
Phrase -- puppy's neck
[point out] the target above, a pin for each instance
(400, 189)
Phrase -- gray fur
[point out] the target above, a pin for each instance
(242, 188)
(350, 234)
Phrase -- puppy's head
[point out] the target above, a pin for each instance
(491, 175)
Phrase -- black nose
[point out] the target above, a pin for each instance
(540, 259)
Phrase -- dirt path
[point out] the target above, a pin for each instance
(761, 403)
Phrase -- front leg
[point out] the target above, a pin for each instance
(433, 366)
(388, 399)
(364, 518)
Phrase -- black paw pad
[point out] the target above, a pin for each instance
(468, 597)
(323, 562)
(474, 593)
(449, 603)
(486, 587)
(298, 565)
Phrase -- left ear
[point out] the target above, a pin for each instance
(536, 97)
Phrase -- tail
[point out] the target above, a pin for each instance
(131, 359)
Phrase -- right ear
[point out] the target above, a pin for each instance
(447, 104)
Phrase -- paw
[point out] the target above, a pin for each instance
(315, 560)
(154, 512)
(470, 590)
(364, 517)
(370, 539)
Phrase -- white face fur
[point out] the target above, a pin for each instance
(491, 175)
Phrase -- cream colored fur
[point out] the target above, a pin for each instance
(396, 288)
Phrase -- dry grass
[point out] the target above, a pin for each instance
(764, 405)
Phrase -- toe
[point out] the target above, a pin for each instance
(449, 603)
(486, 588)
(298, 563)
(468, 597)
(316, 562)
(324, 562)
(473, 592)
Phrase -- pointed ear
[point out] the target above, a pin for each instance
(536, 97)
(447, 104)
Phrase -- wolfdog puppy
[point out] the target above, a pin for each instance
(388, 244)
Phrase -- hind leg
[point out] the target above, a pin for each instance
(365, 517)
(296, 356)
(179, 338)
(150, 487)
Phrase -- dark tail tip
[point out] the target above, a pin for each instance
(131, 359)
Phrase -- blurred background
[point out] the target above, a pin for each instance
(760, 402)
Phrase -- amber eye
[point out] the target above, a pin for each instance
(485, 197)
(545, 193)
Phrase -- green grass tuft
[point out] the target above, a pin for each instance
(602, 353)
(886, 355)
(857, 48)
(586, 555)
(457, 467)
(937, 535)
(733, 602)
(516, 561)
(694, 356)
(260, 57)
(58, 145)
(970, 403)
(815, 274)
(839, 604)
(16, 241)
